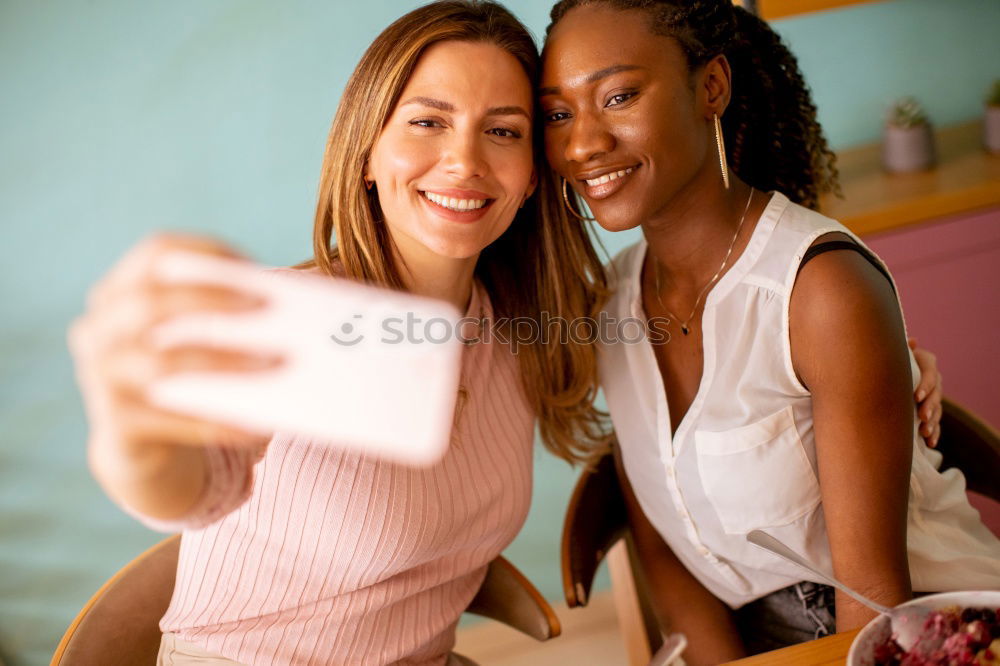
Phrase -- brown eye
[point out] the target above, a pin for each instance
(505, 133)
(620, 98)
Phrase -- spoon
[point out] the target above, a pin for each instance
(907, 622)
(670, 653)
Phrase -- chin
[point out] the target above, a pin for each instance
(455, 248)
(620, 220)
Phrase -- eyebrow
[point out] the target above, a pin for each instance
(447, 107)
(592, 77)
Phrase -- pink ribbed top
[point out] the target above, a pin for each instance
(317, 555)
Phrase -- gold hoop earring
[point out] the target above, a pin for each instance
(569, 206)
(723, 165)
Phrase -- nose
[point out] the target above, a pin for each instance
(463, 156)
(588, 139)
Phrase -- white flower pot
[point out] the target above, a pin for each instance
(908, 148)
(991, 128)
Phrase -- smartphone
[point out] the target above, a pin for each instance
(364, 368)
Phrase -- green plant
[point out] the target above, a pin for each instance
(993, 96)
(907, 112)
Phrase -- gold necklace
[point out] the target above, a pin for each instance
(685, 328)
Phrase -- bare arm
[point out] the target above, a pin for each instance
(151, 460)
(849, 349)
(680, 601)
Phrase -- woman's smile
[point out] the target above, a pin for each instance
(602, 183)
(458, 205)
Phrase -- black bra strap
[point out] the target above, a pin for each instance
(829, 246)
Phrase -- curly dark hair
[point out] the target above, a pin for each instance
(773, 141)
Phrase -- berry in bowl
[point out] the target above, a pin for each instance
(963, 629)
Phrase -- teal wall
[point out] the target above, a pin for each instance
(122, 117)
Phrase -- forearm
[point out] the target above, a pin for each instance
(161, 481)
(852, 614)
(881, 582)
(683, 605)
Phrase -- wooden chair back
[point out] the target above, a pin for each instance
(973, 446)
(119, 626)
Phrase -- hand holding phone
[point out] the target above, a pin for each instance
(362, 367)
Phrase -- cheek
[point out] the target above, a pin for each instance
(513, 168)
(678, 137)
(400, 160)
(555, 148)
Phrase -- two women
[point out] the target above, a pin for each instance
(295, 551)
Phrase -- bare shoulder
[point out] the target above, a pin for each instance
(841, 307)
(838, 283)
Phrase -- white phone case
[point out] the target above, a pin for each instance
(365, 368)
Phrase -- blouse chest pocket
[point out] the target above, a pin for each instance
(757, 475)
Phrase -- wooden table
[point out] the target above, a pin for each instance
(829, 651)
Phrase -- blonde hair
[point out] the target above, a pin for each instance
(543, 263)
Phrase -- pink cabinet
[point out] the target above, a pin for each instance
(948, 274)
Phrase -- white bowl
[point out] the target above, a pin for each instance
(876, 631)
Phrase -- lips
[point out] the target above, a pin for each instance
(608, 177)
(602, 183)
(457, 205)
(458, 200)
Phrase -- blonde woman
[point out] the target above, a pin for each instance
(296, 552)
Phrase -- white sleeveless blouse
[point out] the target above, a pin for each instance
(744, 455)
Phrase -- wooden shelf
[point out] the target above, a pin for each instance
(775, 9)
(966, 178)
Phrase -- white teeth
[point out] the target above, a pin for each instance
(608, 177)
(455, 204)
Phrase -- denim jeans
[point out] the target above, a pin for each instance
(795, 614)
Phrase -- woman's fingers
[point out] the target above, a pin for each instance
(930, 416)
(930, 409)
(115, 359)
(136, 266)
(137, 366)
(134, 313)
(931, 432)
(930, 377)
(928, 394)
(142, 424)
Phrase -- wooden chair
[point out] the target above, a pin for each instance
(119, 626)
(596, 526)
(971, 445)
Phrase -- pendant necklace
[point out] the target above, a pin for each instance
(685, 324)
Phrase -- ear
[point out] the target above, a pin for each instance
(715, 84)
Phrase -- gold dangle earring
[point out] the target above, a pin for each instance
(569, 206)
(723, 165)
